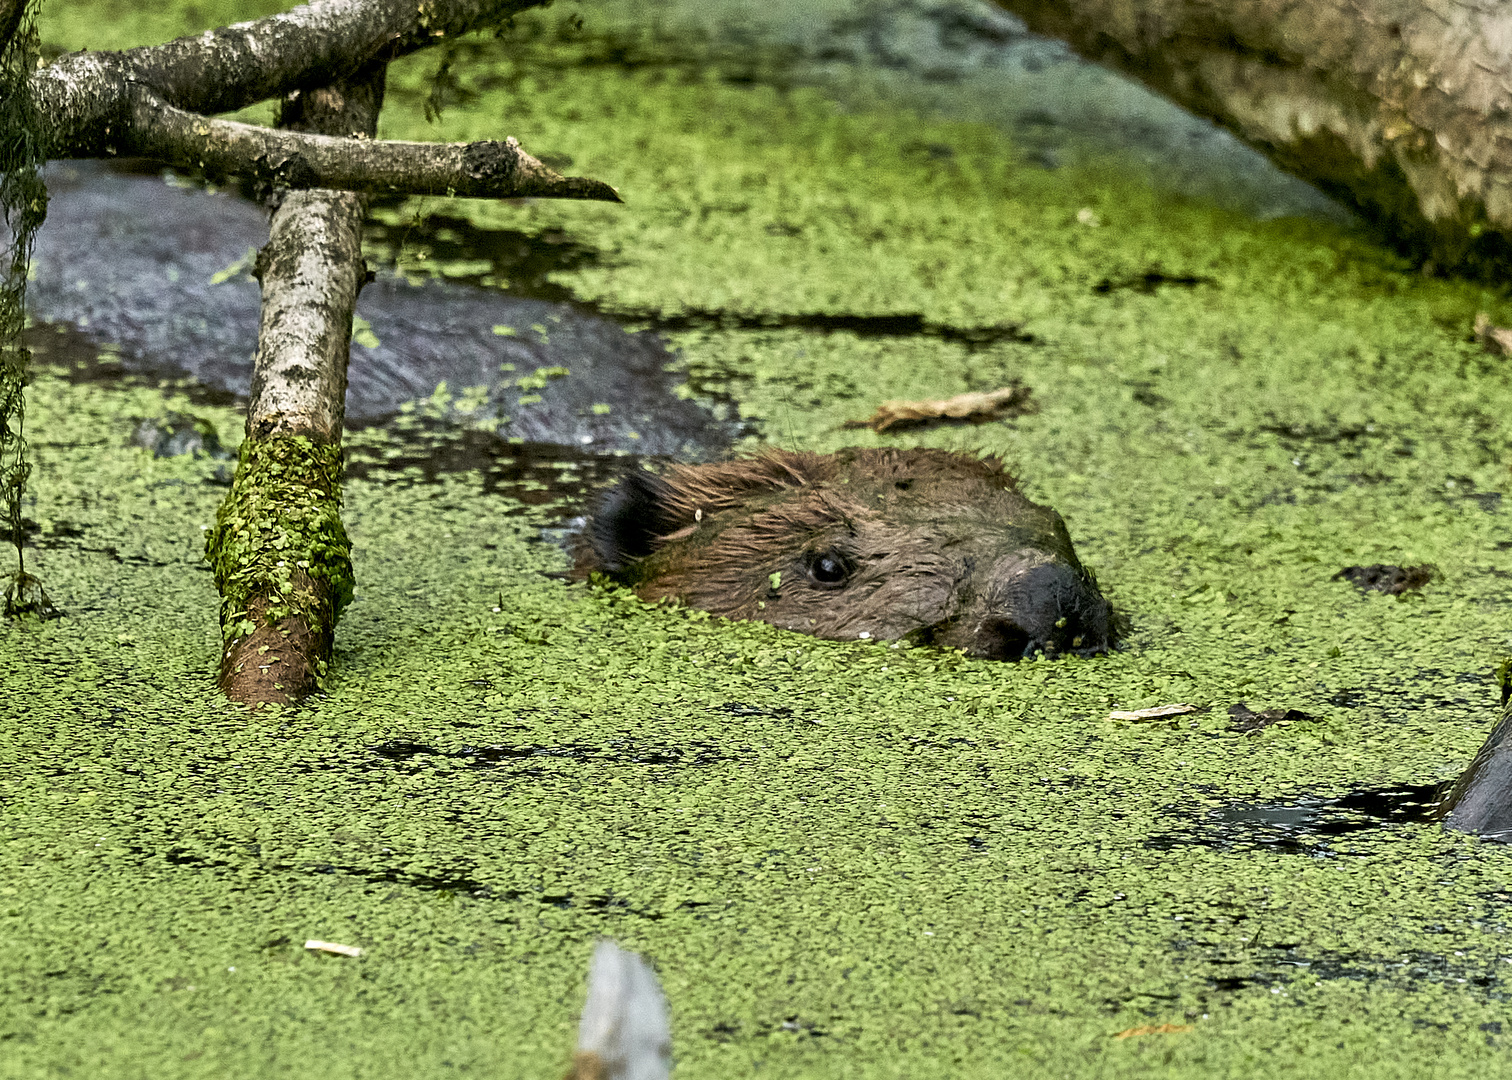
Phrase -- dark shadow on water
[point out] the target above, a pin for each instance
(152, 275)
(1150, 281)
(906, 325)
(1304, 825)
(616, 752)
(523, 263)
(532, 474)
(518, 261)
(157, 275)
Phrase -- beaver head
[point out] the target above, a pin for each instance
(884, 544)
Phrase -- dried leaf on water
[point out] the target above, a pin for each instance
(975, 408)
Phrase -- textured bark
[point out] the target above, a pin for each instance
(280, 661)
(151, 102)
(222, 70)
(1400, 108)
(1481, 799)
(311, 271)
(489, 169)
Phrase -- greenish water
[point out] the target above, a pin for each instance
(843, 859)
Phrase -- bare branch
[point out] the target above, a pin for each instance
(313, 45)
(297, 160)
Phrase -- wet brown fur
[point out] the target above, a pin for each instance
(936, 545)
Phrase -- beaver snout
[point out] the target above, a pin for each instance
(1051, 608)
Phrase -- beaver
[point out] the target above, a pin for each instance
(939, 548)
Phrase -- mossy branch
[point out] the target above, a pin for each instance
(281, 557)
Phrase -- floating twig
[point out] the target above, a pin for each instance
(315, 945)
(1156, 712)
(974, 408)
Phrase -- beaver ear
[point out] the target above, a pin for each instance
(630, 517)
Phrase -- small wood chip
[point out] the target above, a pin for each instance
(975, 408)
(1495, 339)
(1155, 713)
(333, 947)
(1152, 1029)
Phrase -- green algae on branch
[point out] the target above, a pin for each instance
(279, 533)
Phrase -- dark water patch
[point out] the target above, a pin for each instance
(69, 353)
(1144, 393)
(1290, 966)
(454, 882)
(1392, 580)
(458, 250)
(1458, 488)
(741, 708)
(152, 280)
(67, 536)
(621, 752)
(532, 474)
(1151, 280)
(1323, 434)
(903, 325)
(1304, 825)
(159, 274)
(1397, 697)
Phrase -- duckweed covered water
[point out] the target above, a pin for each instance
(844, 859)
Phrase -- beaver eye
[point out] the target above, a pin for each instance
(828, 569)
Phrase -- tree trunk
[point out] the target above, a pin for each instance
(281, 557)
(1401, 109)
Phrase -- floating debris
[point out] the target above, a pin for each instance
(974, 408)
(1152, 1029)
(1494, 339)
(1382, 577)
(1155, 712)
(315, 945)
(1249, 722)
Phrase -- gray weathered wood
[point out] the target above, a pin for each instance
(1400, 108)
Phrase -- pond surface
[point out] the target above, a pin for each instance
(842, 858)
